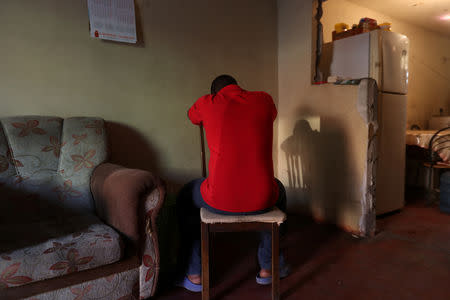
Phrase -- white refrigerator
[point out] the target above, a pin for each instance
(383, 56)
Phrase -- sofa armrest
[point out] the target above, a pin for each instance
(127, 199)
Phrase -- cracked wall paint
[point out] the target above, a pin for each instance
(367, 107)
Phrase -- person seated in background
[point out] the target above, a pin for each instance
(239, 132)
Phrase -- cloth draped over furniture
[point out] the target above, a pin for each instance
(71, 224)
(422, 139)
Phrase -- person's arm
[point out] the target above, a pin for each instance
(274, 112)
(195, 113)
(273, 107)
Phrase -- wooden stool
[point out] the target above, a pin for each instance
(269, 221)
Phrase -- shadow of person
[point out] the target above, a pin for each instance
(320, 169)
(318, 181)
(299, 154)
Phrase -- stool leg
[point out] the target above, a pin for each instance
(205, 261)
(275, 262)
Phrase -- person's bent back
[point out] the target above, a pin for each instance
(239, 130)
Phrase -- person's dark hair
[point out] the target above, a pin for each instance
(220, 82)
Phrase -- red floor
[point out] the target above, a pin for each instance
(408, 259)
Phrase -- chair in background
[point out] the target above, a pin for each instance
(438, 158)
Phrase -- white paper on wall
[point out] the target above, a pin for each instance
(113, 20)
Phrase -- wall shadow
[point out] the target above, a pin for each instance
(319, 177)
(319, 169)
(299, 150)
(130, 148)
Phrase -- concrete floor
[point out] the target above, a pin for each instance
(409, 258)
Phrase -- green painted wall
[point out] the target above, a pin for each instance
(49, 65)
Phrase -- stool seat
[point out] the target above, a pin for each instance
(273, 216)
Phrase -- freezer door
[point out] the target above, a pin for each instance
(351, 57)
(390, 181)
(395, 62)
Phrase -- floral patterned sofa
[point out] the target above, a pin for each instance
(71, 225)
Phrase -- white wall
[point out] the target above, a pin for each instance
(322, 127)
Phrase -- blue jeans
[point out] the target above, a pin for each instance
(189, 202)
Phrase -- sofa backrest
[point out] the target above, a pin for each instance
(48, 161)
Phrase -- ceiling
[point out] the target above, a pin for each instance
(424, 13)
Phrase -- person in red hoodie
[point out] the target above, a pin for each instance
(239, 130)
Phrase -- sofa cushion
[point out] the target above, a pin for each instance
(52, 158)
(54, 247)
